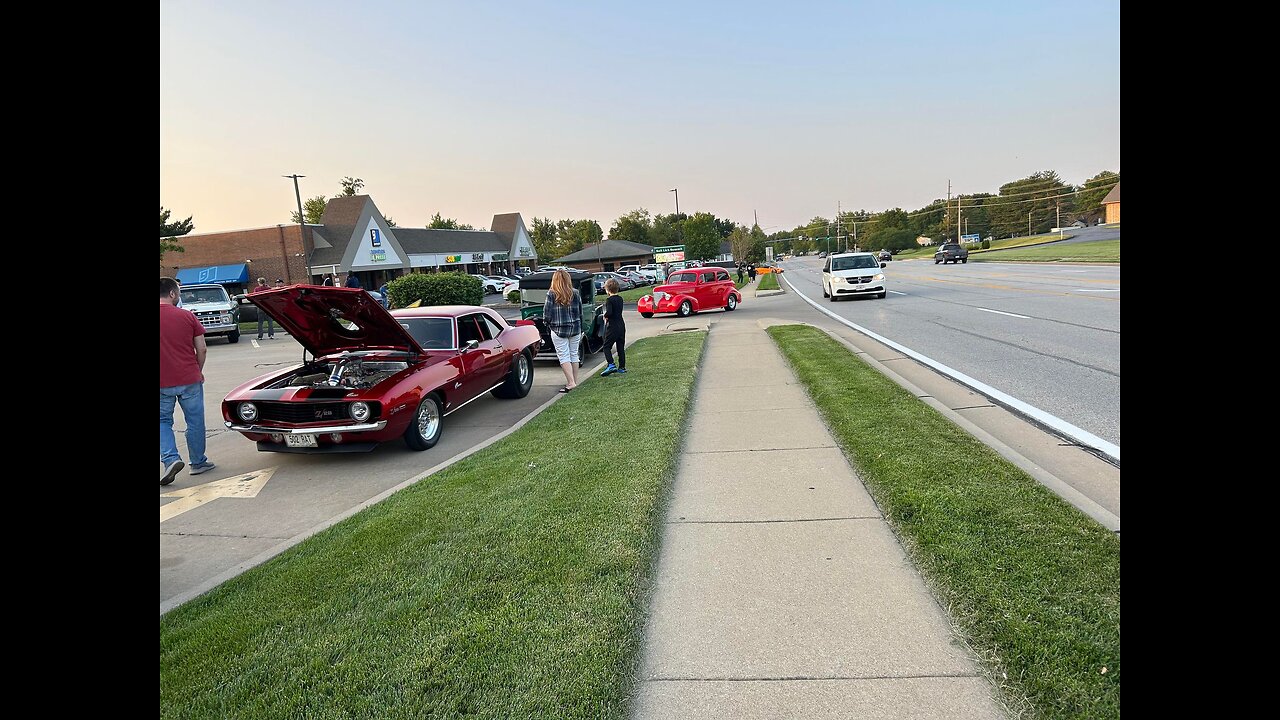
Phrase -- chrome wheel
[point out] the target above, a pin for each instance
(522, 369)
(428, 420)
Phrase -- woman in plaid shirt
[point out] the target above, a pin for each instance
(562, 312)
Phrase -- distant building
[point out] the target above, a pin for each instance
(607, 256)
(1112, 204)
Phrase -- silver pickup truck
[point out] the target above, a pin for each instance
(214, 308)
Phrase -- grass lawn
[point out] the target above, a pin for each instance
(1031, 583)
(512, 584)
(1097, 251)
(1021, 241)
(769, 281)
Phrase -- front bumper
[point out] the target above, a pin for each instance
(321, 430)
(867, 289)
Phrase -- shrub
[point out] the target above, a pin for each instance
(436, 289)
(513, 297)
(986, 244)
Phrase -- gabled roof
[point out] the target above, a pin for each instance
(505, 226)
(608, 250)
(425, 241)
(1113, 196)
(343, 211)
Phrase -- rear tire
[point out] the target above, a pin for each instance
(425, 427)
(518, 381)
(965, 261)
(233, 337)
(732, 304)
(936, 261)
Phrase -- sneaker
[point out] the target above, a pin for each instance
(622, 370)
(259, 337)
(202, 468)
(609, 370)
(171, 471)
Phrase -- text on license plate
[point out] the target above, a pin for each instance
(300, 440)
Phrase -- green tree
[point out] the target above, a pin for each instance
(740, 243)
(580, 233)
(725, 227)
(667, 230)
(1089, 198)
(1032, 200)
(312, 209)
(632, 227)
(439, 223)
(351, 186)
(171, 230)
(543, 235)
(701, 237)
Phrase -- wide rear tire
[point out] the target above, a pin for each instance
(732, 303)
(518, 380)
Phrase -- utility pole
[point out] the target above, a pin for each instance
(677, 192)
(846, 246)
(1059, 204)
(946, 214)
(302, 227)
(1028, 223)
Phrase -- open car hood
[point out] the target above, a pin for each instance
(328, 320)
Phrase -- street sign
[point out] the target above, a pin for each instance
(669, 254)
(971, 238)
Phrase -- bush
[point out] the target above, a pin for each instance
(513, 297)
(436, 289)
(986, 244)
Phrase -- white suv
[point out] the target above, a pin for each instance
(851, 275)
(652, 275)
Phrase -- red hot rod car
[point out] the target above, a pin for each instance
(690, 291)
(369, 375)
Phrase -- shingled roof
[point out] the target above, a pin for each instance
(1113, 196)
(609, 249)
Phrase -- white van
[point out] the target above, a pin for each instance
(853, 274)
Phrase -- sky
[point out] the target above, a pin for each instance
(594, 109)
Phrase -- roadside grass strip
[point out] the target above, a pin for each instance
(1096, 251)
(1032, 585)
(511, 584)
(769, 281)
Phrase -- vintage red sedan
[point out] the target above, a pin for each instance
(690, 291)
(368, 375)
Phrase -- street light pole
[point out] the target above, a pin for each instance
(677, 192)
(302, 229)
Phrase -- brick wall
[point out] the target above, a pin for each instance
(272, 252)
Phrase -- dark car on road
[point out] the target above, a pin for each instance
(885, 256)
(951, 252)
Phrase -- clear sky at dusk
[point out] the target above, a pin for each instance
(590, 110)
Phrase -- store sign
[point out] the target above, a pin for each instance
(377, 255)
(453, 258)
(500, 257)
(670, 254)
(526, 251)
(375, 235)
(477, 257)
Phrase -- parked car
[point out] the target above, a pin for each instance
(637, 278)
(624, 282)
(822, 254)
(372, 375)
(214, 308)
(852, 275)
(382, 299)
(763, 268)
(648, 272)
(885, 256)
(950, 253)
(690, 291)
(490, 285)
(248, 311)
(533, 295)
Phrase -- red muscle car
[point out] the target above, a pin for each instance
(690, 291)
(368, 375)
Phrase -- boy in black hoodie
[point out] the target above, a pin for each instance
(615, 330)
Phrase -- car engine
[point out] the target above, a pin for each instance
(349, 373)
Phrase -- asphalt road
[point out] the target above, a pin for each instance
(1048, 335)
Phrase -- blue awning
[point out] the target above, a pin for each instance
(220, 274)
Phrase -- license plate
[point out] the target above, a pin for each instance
(300, 440)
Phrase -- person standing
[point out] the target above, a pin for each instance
(182, 355)
(328, 280)
(353, 281)
(562, 312)
(739, 273)
(751, 271)
(615, 330)
(271, 327)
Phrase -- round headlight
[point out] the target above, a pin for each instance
(880, 276)
(359, 411)
(248, 412)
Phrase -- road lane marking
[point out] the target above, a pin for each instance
(1080, 435)
(1094, 290)
(895, 292)
(1001, 312)
(241, 486)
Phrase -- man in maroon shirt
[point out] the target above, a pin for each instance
(182, 354)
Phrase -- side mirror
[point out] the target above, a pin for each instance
(884, 264)
(471, 345)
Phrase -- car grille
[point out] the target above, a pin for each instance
(304, 412)
(863, 279)
(209, 318)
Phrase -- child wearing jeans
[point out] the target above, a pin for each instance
(615, 330)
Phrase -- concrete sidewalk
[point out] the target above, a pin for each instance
(781, 592)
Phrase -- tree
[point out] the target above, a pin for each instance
(577, 234)
(544, 239)
(667, 230)
(740, 243)
(1033, 199)
(1089, 198)
(440, 223)
(351, 186)
(170, 230)
(701, 237)
(726, 227)
(312, 209)
(632, 227)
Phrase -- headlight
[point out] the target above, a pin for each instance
(879, 277)
(248, 412)
(359, 411)
(226, 317)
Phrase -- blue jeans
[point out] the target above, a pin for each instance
(271, 326)
(191, 398)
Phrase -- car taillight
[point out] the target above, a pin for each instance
(525, 322)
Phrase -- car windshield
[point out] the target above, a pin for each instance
(856, 262)
(192, 296)
(431, 333)
(684, 277)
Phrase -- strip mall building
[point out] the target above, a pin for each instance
(353, 237)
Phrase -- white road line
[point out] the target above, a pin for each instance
(895, 292)
(1080, 435)
(1001, 312)
(1092, 290)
